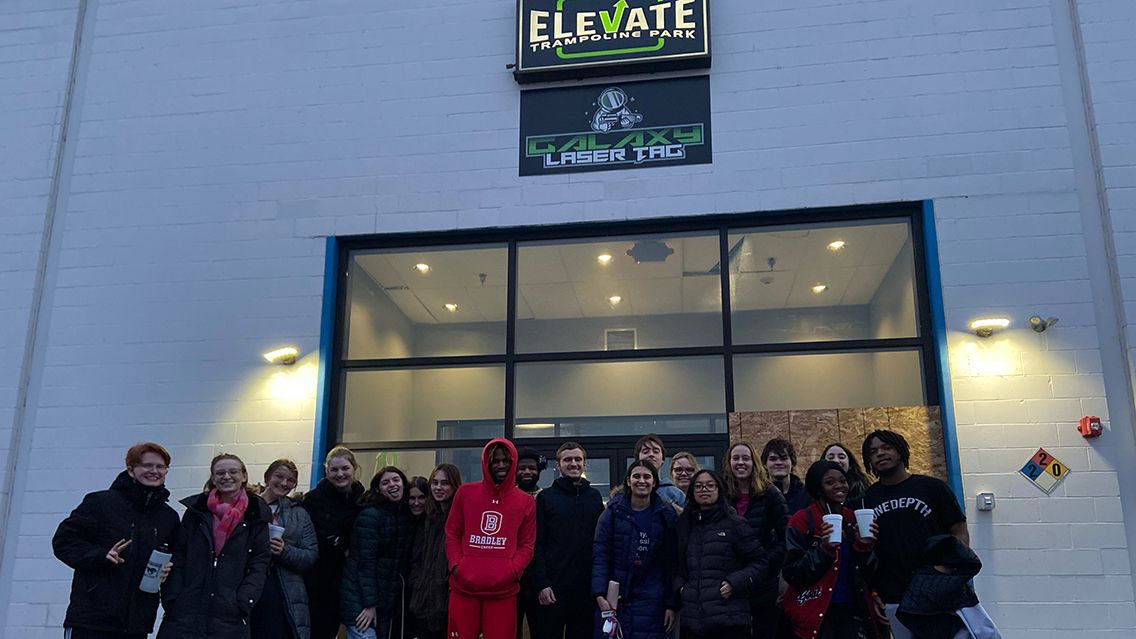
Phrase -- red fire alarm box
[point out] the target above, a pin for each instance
(1089, 426)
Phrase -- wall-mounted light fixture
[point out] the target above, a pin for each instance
(286, 356)
(604, 258)
(819, 288)
(986, 326)
(614, 299)
(451, 307)
(836, 245)
(422, 267)
(1040, 325)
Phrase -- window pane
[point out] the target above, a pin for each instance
(653, 291)
(828, 380)
(424, 403)
(429, 302)
(580, 399)
(420, 462)
(817, 283)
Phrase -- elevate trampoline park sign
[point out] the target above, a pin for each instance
(618, 125)
(582, 38)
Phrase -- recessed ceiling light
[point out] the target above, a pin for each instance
(605, 259)
(615, 299)
(836, 246)
(422, 267)
(819, 288)
(451, 307)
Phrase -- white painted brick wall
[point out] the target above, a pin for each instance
(35, 49)
(219, 141)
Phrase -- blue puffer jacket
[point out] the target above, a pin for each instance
(644, 578)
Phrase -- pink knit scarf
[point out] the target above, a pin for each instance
(226, 517)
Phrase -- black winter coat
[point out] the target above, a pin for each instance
(211, 598)
(104, 596)
(716, 545)
(378, 562)
(333, 515)
(566, 516)
(430, 574)
(768, 517)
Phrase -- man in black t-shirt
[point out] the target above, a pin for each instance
(909, 510)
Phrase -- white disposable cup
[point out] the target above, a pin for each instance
(864, 519)
(152, 576)
(837, 523)
(275, 532)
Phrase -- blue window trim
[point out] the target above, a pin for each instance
(939, 328)
(326, 353)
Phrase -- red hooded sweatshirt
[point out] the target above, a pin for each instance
(490, 532)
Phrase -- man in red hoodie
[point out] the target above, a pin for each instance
(490, 534)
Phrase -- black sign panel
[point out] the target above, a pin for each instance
(619, 125)
(579, 38)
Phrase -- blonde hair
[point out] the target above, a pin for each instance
(759, 481)
(344, 452)
(688, 457)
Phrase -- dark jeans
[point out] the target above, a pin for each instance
(841, 622)
(83, 633)
(564, 619)
(526, 607)
(729, 632)
(766, 619)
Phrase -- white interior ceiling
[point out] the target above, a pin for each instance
(564, 281)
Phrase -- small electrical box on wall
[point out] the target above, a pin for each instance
(1090, 426)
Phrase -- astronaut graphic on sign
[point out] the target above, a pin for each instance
(612, 111)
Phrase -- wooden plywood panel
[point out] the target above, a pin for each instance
(811, 430)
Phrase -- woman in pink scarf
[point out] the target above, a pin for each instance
(221, 559)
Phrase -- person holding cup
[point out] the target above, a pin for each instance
(826, 551)
(282, 612)
(109, 539)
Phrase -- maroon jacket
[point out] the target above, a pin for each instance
(811, 571)
(490, 532)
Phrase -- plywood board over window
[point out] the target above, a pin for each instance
(812, 430)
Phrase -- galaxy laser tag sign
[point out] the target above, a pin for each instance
(624, 125)
(578, 38)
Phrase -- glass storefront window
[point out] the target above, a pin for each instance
(419, 462)
(424, 404)
(428, 302)
(828, 380)
(651, 291)
(622, 397)
(823, 283)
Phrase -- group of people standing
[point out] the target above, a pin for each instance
(747, 552)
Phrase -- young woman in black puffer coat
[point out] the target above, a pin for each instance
(220, 563)
(758, 501)
(373, 591)
(720, 560)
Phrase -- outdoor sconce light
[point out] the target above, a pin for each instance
(286, 356)
(1039, 325)
(986, 326)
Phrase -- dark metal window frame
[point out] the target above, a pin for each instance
(511, 237)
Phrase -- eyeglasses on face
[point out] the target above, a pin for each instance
(152, 466)
(705, 488)
(235, 472)
(683, 471)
